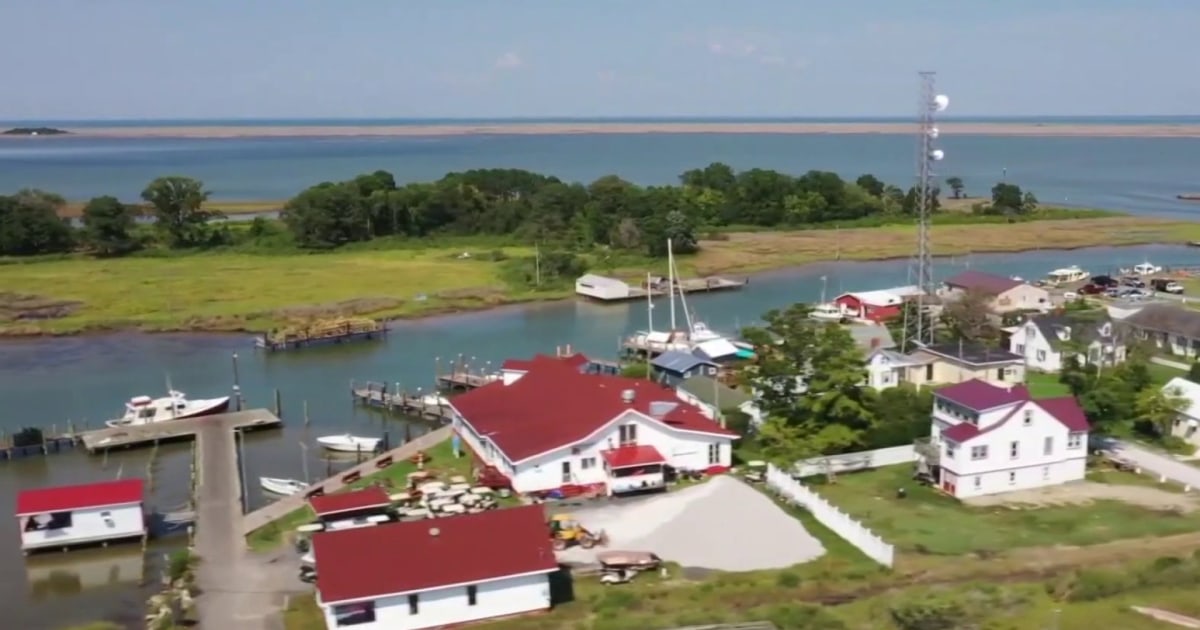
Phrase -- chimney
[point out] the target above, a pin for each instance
(628, 396)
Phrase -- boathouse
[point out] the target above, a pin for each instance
(557, 430)
(66, 516)
(436, 574)
(347, 510)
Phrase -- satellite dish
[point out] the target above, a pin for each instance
(941, 102)
(933, 132)
(937, 154)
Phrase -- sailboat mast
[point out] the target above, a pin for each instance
(671, 281)
(687, 314)
(649, 305)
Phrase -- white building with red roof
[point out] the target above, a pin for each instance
(435, 573)
(550, 425)
(992, 439)
(90, 513)
(356, 508)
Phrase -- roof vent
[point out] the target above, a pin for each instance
(433, 531)
(628, 395)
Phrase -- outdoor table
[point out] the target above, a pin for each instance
(459, 486)
(481, 490)
(458, 479)
(432, 487)
(455, 508)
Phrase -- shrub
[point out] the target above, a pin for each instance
(929, 613)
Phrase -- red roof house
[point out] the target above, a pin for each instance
(344, 503)
(993, 439)
(88, 513)
(547, 428)
(437, 573)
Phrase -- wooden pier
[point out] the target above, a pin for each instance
(323, 334)
(662, 288)
(106, 439)
(427, 406)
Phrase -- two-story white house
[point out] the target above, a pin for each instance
(1046, 340)
(91, 513)
(435, 573)
(554, 427)
(991, 439)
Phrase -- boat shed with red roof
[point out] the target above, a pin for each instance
(435, 573)
(991, 439)
(350, 509)
(550, 426)
(91, 513)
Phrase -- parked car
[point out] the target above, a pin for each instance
(1166, 286)
(1133, 281)
(1104, 281)
(1092, 289)
(1114, 292)
(1137, 294)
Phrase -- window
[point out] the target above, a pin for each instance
(566, 472)
(1041, 355)
(978, 453)
(356, 613)
(587, 463)
(627, 434)
(1074, 440)
(1028, 417)
(414, 604)
(1020, 348)
(1014, 450)
(714, 454)
(1000, 374)
(1048, 446)
(950, 450)
(929, 372)
(1046, 472)
(1012, 478)
(978, 481)
(472, 594)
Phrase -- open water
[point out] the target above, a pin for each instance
(46, 382)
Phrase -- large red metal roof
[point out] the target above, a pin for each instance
(78, 497)
(369, 497)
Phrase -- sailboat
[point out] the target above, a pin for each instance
(698, 335)
(826, 311)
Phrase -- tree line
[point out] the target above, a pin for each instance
(609, 212)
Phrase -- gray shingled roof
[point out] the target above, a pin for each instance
(1167, 318)
(1084, 329)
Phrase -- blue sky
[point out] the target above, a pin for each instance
(74, 59)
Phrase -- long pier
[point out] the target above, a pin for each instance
(278, 509)
(106, 439)
(375, 394)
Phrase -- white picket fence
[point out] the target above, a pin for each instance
(830, 516)
(850, 462)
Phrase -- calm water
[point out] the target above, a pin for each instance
(1140, 175)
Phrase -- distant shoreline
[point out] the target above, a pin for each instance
(1048, 129)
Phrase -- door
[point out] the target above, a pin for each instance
(566, 472)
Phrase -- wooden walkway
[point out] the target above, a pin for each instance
(146, 435)
(465, 380)
(376, 395)
(287, 505)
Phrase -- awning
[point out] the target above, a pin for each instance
(629, 456)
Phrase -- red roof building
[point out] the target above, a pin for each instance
(547, 428)
(436, 573)
(353, 503)
(89, 513)
(992, 439)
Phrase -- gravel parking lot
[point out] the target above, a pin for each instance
(723, 524)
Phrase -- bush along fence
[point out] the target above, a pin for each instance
(841, 523)
(851, 462)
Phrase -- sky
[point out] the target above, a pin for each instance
(181, 59)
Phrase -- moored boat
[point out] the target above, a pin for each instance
(347, 443)
(285, 487)
(175, 406)
(1066, 275)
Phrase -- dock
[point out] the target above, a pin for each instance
(101, 440)
(278, 509)
(320, 334)
(612, 290)
(374, 394)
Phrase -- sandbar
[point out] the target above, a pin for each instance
(1048, 129)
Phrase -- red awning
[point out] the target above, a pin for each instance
(628, 456)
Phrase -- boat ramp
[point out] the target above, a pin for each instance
(605, 289)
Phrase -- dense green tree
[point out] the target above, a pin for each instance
(969, 318)
(179, 213)
(871, 184)
(327, 215)
(956, 186)
(1193, 374)
(1159, 408)
(107, 226)
(30, 224)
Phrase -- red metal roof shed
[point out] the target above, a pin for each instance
(79, 497)
(330, 504)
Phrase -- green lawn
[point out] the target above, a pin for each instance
(929, 522)
(1161, 374)
(1042, 385)
(276, 532)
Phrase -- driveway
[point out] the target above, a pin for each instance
(1156, 463)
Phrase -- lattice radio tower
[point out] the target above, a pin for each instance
(928, 155)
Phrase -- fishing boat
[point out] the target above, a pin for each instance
(826, 311)
(1066, 275)
(285, 487)
(1143, 269)
(347, 443)
(175, 406)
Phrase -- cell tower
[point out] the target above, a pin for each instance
(928, 155)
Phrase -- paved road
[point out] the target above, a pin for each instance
(238, 590)
(1157, 463)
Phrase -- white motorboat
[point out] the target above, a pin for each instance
(826, 311)
(347, 443)
(285, 487)
(1066, 275)
(1146, 269)
(175, 406)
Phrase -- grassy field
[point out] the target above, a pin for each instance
(1043, 385)
(240, 291)
(75, 208)
(928, 522)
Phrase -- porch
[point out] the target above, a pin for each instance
(634, 468)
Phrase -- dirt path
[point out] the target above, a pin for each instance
(1085, 492)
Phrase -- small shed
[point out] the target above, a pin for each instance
(89, 513)
(602, 288)
(673, 367)
(356, 508)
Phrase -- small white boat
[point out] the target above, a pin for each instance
(1066, 275)
(175, 406)
(285, 487)
(347, 443)
(1146, 269)
(826, 312)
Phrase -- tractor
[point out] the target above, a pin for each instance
(566, 531)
